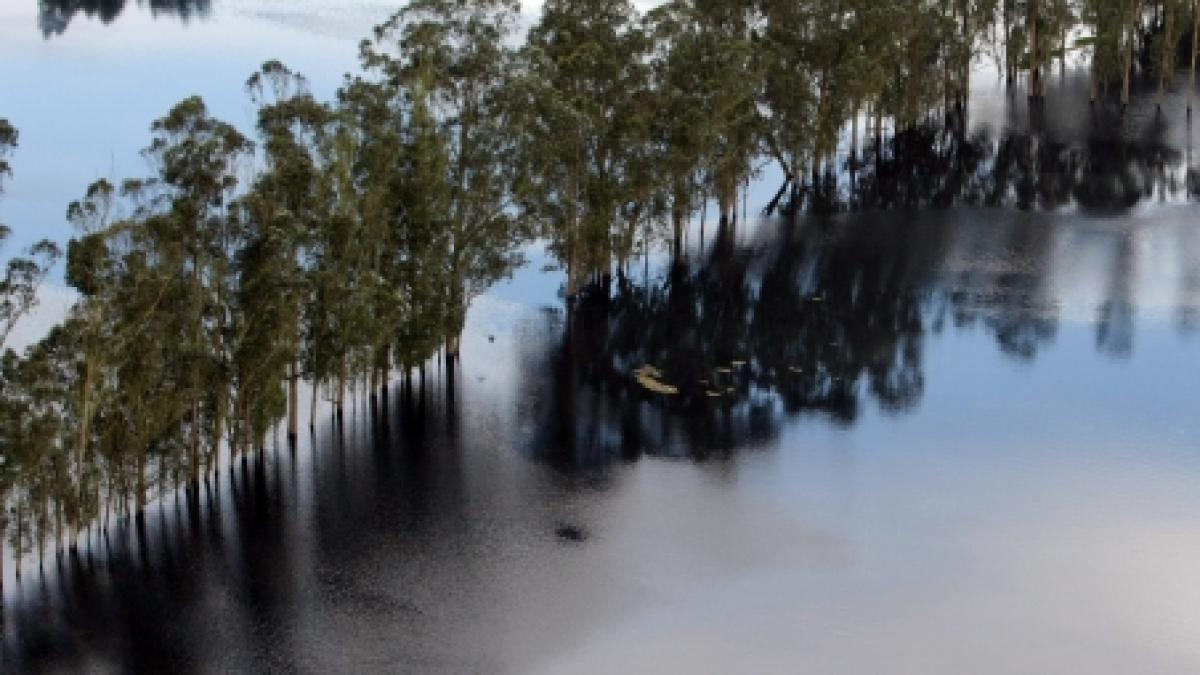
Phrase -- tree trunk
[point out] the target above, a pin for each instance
(141, 481)
(194, 443)
(1127, 53)
(339, 401)
(572, 237)
(1035, 50)
(854, 135)
(676, 232)
(312, 413)
(1195, 55)
(1094, 81)
(1167, 56)
(293, 403)
(1062, 41)
(1009, 65)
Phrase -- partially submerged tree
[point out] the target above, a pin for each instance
(453, 60)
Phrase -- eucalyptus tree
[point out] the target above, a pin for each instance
(23, 275)
(581, 93)
(29, 443)
(1105, 22)
(149, 408)
(424, 236)
(705, 89)
(453, 61)
(789, 91)
(1174, 17)
(364, 240)
(198, 159)
(1130, 33)
(968, 26)
(826, 58)
(93, 329)
(281, 218)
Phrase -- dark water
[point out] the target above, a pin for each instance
(955, 438)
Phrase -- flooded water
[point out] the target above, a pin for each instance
(956, 435)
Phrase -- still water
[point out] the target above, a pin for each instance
(955, 438)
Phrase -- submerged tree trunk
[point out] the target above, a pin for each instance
(312, 412)
(140, 500)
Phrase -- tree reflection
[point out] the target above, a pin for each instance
(55, 16)
(745, 338)
(938, 166)
(815, 316)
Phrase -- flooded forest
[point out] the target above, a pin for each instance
(732, 197)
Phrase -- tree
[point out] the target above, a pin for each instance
(582, 94)
(705, 119)
(282, 217)
(453, 60)
(198, 160)
(23, 275)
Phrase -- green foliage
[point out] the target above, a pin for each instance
(24, 274)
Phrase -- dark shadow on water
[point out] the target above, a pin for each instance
(821, 318)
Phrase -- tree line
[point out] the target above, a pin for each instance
(345, 241)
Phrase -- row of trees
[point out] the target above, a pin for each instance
(349, 238)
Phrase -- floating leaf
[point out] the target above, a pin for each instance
(647, 376)
(649, 371)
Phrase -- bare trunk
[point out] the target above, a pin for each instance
(340, 396)
(312, 413)
(293, 403)
(141, 481)
(194, 444)
(745, 198)
(1195, 55)
(853, 135)
(572, 240)
(1167, 56)
(878, 134)
(1035, 50)
(1062, 41)
(1009, 60)
(1127, 53)
(1094, 82)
